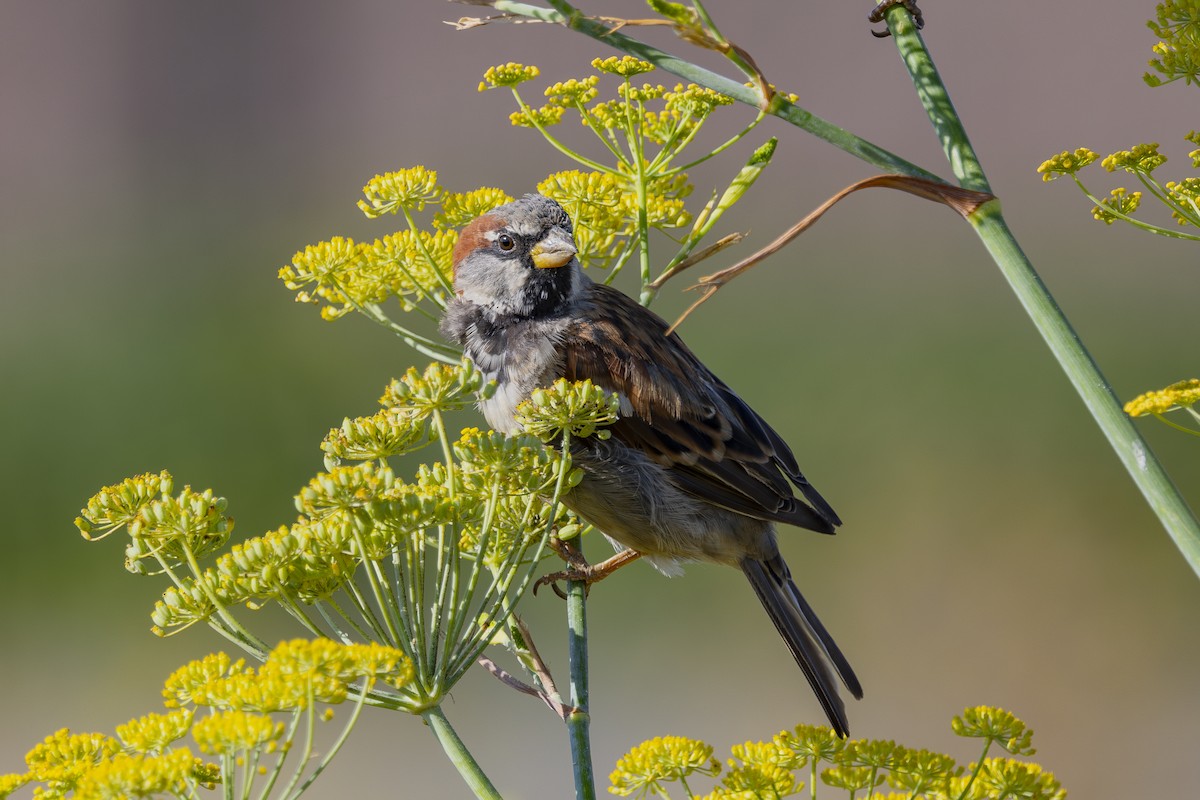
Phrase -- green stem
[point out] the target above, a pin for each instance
(1133, 451)
(987, 744)
(579, 720)
(458, 753)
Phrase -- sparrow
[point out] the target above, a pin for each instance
(690, 472)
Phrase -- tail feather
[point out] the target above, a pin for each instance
(807, 639)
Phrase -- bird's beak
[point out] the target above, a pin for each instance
(556, 250)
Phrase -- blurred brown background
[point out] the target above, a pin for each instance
(160, 160)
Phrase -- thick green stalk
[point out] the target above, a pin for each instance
(1160, 492)
(1076, 362)
(458, 754)
(579, 720)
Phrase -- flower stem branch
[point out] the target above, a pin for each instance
(459, 755)
(1162, 495)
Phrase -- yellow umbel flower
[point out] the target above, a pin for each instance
(696, 101)
(1142, 158)
(233, 732)
(387, 433)
(440, 388)
(510, 75)
(459, 208)
(192, 523)
(756, 780)
(185, 686)
(1118, 201)
(118, 505)
(852, 779)
(575, 92)
(1066, 163)
(661, 760)
(344, 489)
(153, 732)
(996, 725)
(408, 189)
(1178, 395)
(62, 758)
(923, 772)
(1008, 778)
(642, 94)
(625, 66)
(580, 409)
(128, 776)
(412, 266)
(10, 783)
(1186, 194)
(320, 271)
(542, 117)
(810, 743)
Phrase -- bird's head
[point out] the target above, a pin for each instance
(518, 259)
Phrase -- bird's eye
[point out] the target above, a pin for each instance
(505, 242)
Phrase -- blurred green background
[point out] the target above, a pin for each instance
(160, 161)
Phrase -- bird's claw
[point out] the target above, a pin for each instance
(586, 574)
(880, 11)
(578, 569)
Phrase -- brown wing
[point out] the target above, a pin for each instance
(684, 418)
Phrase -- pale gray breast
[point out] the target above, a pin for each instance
(529, 359)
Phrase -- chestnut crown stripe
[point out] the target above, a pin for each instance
(475, 237)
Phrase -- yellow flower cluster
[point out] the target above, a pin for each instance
(1182, 394)
(440, 388)
(642, 94)
(543, 117)
(407, 189)
(1066, 163)
(91, 766)
(1118, 202)
(229, 733)
(167, 529)
(154, 732)
(1177, 56)
(995, 724)
(295, 674)
(767, 769)
(412, 265)
(324, 271)
(459, 208)
(125, 775)
(574, 92)
(510, 75)
(62, 759)
(1185, 194)
(114, 507)
(387, 433)
(1141, 158)
(580, 409)
(625, 66)
(661, 760)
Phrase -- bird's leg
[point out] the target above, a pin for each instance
(578, 569)
(880, 11)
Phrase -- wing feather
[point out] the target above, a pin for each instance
(684, 418)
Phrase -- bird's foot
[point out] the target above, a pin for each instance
(580, 570)
(880, 11)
